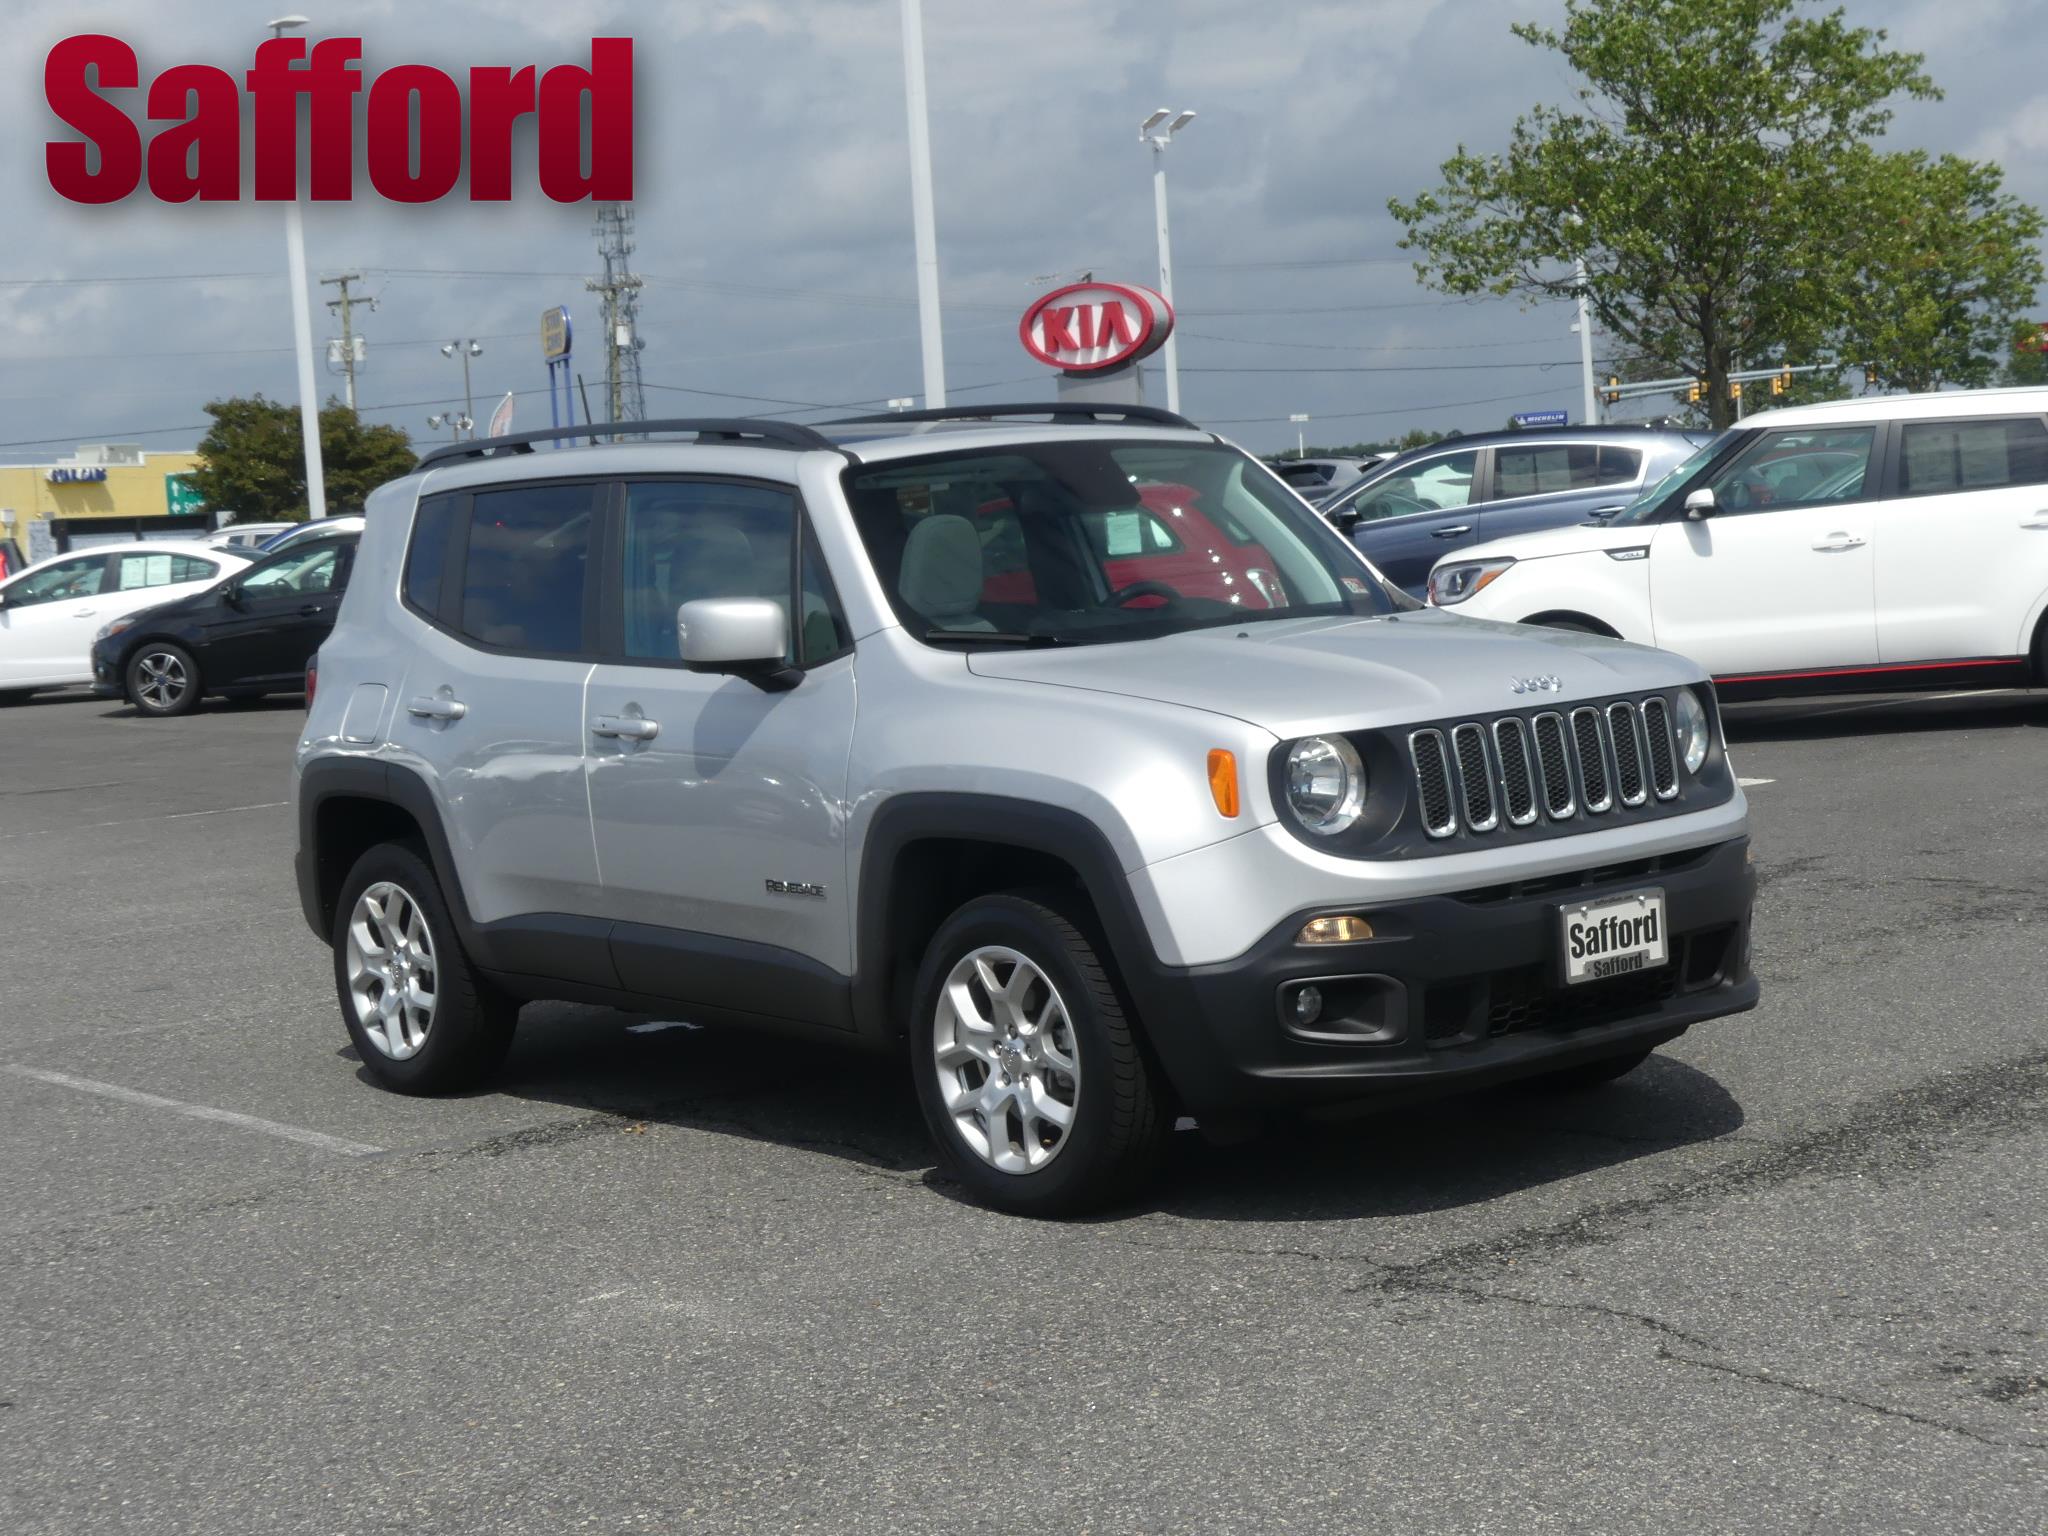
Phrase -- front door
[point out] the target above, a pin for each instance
(719, 804)
(1779, 576)
(269, 622)
(48, 620)
(1417, 515)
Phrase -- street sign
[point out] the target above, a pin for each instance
(554, 333)
(180, 499)
(1541, 418)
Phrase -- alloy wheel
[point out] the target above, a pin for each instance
(161, 680)
(391, 970)
(1009, 1068)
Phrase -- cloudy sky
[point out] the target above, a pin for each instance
(774, 209)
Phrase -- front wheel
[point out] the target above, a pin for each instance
(419, 1015)
(1027, 1068)
(163, 679)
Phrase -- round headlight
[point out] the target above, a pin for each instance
(1325, 784)
(1692, 730)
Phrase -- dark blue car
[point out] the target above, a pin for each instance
(1412, 511)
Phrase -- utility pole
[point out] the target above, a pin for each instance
(344, 307)
(923, 224)
(620, 289)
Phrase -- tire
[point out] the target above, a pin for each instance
(460, 1037)
(1589, 1074)
(163, 679)
(1022, 1161)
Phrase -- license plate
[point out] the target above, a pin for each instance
(1614, 937)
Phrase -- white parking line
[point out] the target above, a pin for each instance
(130, 821)
(318, 1139)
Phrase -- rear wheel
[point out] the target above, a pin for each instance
(1027, 1066)
(163, 679)
(421, 1018)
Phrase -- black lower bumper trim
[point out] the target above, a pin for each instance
(1452, 992)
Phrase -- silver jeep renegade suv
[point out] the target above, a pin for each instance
(1072, 757)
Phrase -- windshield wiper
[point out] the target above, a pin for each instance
(993, 637)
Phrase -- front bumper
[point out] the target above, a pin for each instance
(107, 681)
(1454, 991)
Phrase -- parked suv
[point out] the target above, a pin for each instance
(757, 729)
(1413, 511)
(1876, 543)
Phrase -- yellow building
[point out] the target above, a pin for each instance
(103, 491)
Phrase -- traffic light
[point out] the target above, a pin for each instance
(1869, 375)
(1735, 389)
(1699, 387)
(1613, 391)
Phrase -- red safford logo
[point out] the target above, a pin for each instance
(1089, 326)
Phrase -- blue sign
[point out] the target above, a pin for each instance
(1541, 418)
(94, 475)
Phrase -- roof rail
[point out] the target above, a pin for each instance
(1058, 410)
(729, 429)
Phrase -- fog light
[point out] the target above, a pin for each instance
(1308, 1005)
(1334, 930)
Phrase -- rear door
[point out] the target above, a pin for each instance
(1412, 518)
(48, 620)
(1962, 544)
(491, 706)
(1551, 484)
(1780, 577)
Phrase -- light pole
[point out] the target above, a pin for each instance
(465, 350)
(302, 326)
(1159, 140)
(924, 225)
(1300, 436)
(1585, 330)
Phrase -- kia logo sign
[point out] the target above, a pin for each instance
(1089, 326)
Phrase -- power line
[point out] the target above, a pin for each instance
(1396, 410)
(1398, 368)
(140, 277)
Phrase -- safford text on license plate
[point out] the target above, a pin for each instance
(1613, 937)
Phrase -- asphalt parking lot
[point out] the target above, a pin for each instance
(1788, 1277)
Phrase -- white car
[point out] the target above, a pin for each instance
(1879, 543)
(239, 535)
(51, 611)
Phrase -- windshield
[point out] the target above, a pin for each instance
(1639, 510)
(1074, 542)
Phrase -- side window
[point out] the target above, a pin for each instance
(523, 581)
(691, 539)
(299, 573)
(133, 572)
(59, 583)
(191, 568)
(426, 560)
(1542, 468)
(1972, 455)
(1801, 466)
(1434, 485)
(823, 633)
(1619, 466)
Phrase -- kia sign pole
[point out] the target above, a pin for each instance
(302, 331)
(1159, 141)
(925, 225)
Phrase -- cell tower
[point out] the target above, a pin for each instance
(621, 293)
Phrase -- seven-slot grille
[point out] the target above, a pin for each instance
(1588, 760)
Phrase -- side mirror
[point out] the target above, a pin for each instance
(231, 594)
(1700, 504)
(746, 636)
(1344, 518)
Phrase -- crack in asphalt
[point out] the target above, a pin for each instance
(1843, 1399)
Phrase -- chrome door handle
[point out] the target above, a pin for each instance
(437, 709)
(625, 727)
(1450, 533)
(1835, 542)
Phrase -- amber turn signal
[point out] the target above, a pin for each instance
(1334, 930)
(1223, 780)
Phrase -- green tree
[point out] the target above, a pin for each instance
(252, 460)
(1714, 176)
(2027, 356)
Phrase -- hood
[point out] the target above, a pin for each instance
(1579, 539)
(1295, 677)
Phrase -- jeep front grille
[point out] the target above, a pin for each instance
(1519, 771)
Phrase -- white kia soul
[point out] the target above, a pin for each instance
(1882, 543)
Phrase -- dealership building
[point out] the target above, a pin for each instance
(101, 493)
